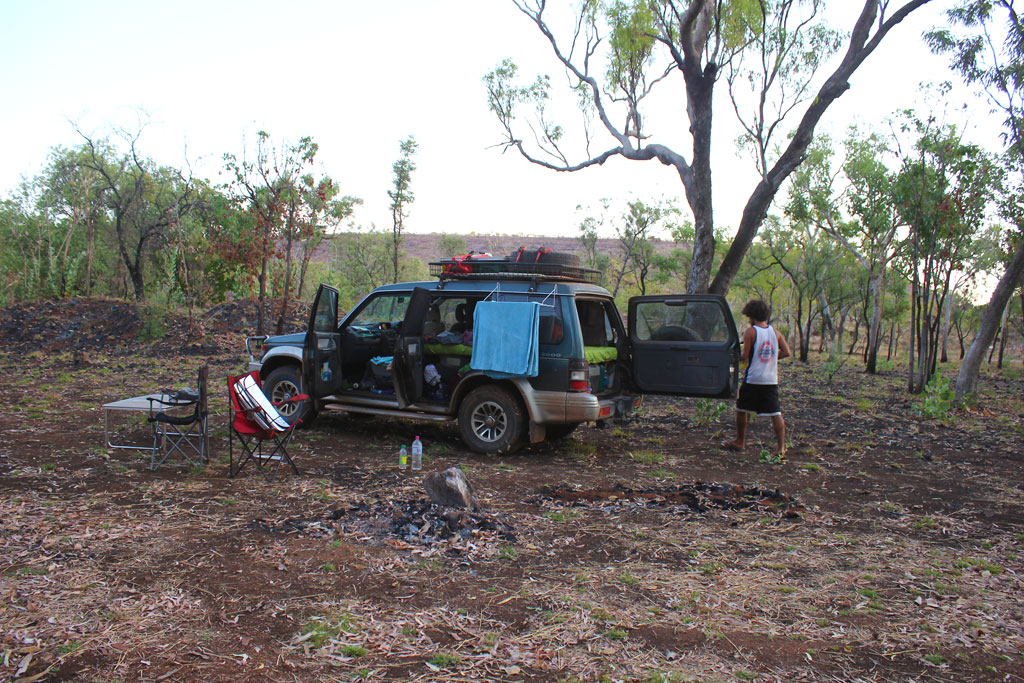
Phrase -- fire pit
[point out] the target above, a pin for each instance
(417, 522)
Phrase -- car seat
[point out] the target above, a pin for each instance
(432, 325)
(463, 318)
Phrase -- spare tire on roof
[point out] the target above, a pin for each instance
(561, 258)
(541, 255)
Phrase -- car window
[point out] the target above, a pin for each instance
(701, 321)
(451, 313)
(596, 323)
(383, 311)
(327, 306)
(550, 330)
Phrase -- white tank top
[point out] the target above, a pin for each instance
(764, 361)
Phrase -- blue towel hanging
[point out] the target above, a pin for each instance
(505, 341)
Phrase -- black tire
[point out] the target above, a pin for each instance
(492, 421)
(282, 384)
(553, 258)
(556, 432)
(560, 258)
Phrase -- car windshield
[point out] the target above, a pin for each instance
(385, 310)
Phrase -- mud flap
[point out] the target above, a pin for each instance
(538, 432)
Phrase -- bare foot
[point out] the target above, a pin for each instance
(733, 446)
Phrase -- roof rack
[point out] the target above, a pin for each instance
(504, 269)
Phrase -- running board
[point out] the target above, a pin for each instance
(385, 412)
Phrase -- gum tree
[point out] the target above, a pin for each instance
(142, 200)
(262, 185)
(985, 42)
(862, 218)
(401, 199)
(770, 51)
(942, 192)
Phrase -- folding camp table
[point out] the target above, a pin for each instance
(138, 404)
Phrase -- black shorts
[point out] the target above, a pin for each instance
(762, 399)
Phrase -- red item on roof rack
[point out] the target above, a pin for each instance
(468, 263)
(524, 255)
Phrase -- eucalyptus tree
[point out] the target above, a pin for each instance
(70, 194)
(315, 207)
(942, 192)
(24, 258)
(985, 41)
(964, 319)
(809, 258)
(770, 51)
(589, 239)
(635, 231)
(761, 278)
(361, 260)
(861, 217)
(263, 183)
(451, 245)
(401, 198)
(142, 199)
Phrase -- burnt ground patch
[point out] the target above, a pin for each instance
(680, 498)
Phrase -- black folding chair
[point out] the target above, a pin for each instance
(180, 432)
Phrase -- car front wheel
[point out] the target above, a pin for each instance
(281, 385)
(492, 421)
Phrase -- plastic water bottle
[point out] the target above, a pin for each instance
(417, 454)
(403, 457)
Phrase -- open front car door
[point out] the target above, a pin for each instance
(684, 345)
(407, 364)
(321, 351)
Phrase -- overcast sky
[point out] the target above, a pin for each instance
(359, 77)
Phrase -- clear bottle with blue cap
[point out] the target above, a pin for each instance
(417, 454)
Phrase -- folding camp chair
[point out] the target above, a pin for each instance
(176, 432)
(253, 420)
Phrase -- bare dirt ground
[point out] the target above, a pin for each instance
(887, 547)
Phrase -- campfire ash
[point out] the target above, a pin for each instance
(420, 522)
(682, 499)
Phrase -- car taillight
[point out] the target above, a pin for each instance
(579, 375)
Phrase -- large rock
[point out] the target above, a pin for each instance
(451, 488)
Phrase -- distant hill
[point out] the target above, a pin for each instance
(424, 245)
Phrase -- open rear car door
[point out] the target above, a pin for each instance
(321, 350)
(684, 345)
(407, 363)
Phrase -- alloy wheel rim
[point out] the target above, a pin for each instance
(489, 421)
(282, 392)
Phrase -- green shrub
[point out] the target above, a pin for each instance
(939, 397)
(709, 410)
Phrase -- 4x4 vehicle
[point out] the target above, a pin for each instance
(405, 350)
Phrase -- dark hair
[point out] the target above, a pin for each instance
(758, 310)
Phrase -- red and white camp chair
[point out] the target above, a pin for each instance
(262, 433)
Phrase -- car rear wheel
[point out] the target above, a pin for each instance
(492, 421)
(281, 385)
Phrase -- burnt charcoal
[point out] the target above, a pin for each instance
(420, 522)
(698, 497)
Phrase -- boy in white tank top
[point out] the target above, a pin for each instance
(759, 393)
